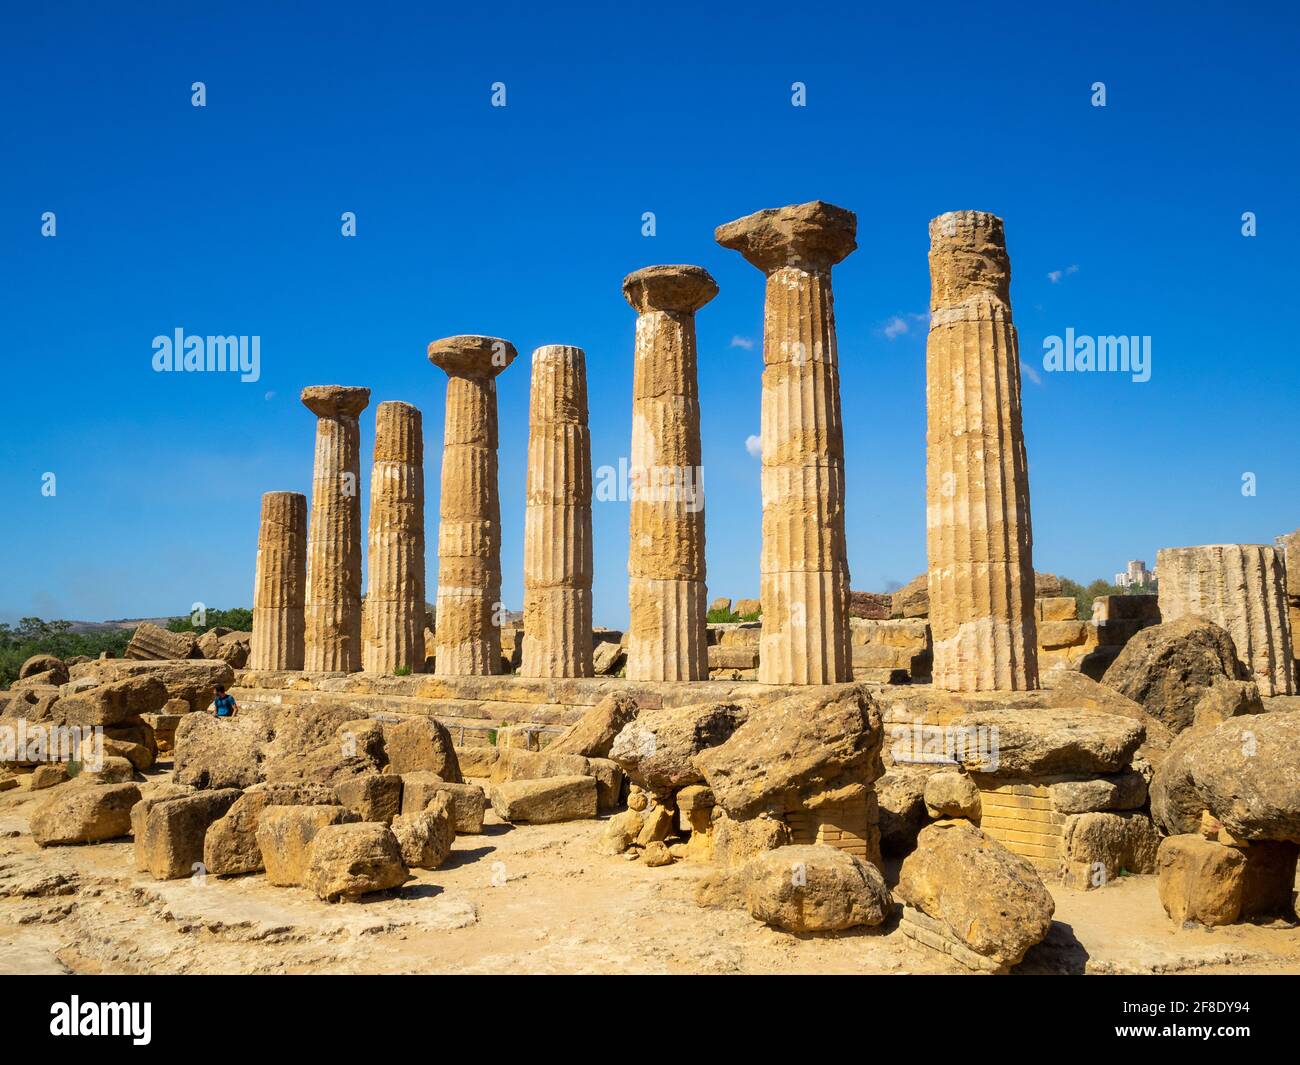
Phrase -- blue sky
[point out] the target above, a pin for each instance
(521, 222)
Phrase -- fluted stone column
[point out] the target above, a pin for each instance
(1241, 588)
(280, 583)
(394, 608)
(334, 535)
(1291, 551)
(467, 632)
(978, 531)
(805, 571)
(667, 636)
(557, 518)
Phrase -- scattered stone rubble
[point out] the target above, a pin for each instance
(969, 724)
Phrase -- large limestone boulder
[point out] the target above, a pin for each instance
(420, 744)
(515, 763)
(900, 796)
(192, 681)
(736, 842)
(619, 833)
(1042, 741)
(657, 750)
(1246, 772)
(477, 761)
(139, 755)
(285, 834)
(593, 734)
(170, 842)
(952, 794)
(108, 769)
(1100, 847)
(84, 813)
(1167, 668)
(118, 702)
(324, 745)
(544, 801)
(48, 664)
(607, 657)
(372, 796)
(468, 803)
(609, 782)
(1200, 881)
(991, 901)
(1226, 699)
(140, 812)
(805, 889)
(426, 838)
(820, 743)
(49, 775)
(347, 861)
(227, 646)
(230, 846)
(1122, 791)
(1071, 689)
(214, 752)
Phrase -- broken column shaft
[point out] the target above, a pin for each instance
(979, 536)
(280, 583)
(394, 608)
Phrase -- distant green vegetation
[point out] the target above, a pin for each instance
(238, 618)
(728, 617)
(1085, 594)
(32, 636)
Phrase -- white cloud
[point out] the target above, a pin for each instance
(1030, 372)
(1054, 276)
(754, 446)
(895, 327)
(742, 342)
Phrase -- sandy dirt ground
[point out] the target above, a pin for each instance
(526, 899)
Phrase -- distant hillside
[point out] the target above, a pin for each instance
(120, 623)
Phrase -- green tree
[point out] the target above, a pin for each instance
(33, 636)
(1085, 594)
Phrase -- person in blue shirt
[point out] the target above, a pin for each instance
(224, 703)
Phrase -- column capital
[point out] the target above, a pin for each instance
(679, 288)
(813, 235)
(332, 401)
(968, 259)
(471, 355)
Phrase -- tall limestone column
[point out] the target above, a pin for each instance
(978, 531)
(334, 535)
(1291, 552)
(280, 584)
(805, 570)
(557, 518)
(467, 629)
(394, 608)
(1241, 588)
(667, 636)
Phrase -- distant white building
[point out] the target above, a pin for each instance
(1136, 575)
